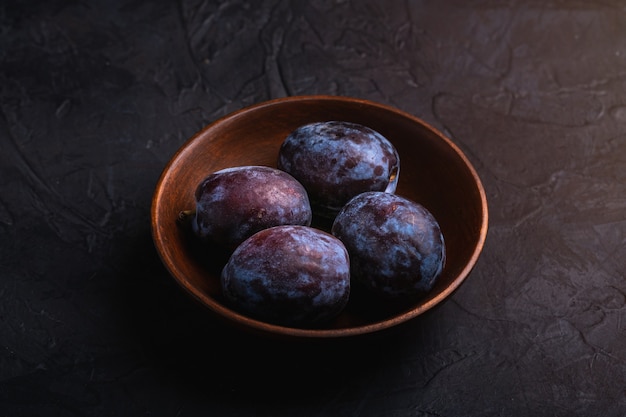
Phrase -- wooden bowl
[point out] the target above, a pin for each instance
(434, 172)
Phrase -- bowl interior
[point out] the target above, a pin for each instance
(433, 172)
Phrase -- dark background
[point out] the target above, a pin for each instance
(96, 96)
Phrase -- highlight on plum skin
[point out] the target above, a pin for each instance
(337, 160)
(395, 245)
(234, 203)
(288, 275)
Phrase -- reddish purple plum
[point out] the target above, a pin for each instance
(234, 203)
(289, 275)
(396, 246)
(338, 160)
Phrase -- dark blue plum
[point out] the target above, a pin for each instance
(396, 246)
(289, 275)
(338, 160)
(234, 203)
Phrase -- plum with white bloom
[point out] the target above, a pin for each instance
(234, 203)
(396, 245)
(288, 275)
(337, 160)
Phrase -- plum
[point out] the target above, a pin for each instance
(395, 245)
(337, 160)
(288, 275)
(234, 203)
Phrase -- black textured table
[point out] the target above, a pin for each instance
(95, 98)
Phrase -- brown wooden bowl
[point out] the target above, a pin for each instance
(434, 172)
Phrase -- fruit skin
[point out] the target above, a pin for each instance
(337, 160)
(396, 246)
(289, 275)
(234, 203)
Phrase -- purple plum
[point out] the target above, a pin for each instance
(234, 203)
(288, 275)
(338, 160)
(396, 246)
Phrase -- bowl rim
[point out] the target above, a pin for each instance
(248, 323)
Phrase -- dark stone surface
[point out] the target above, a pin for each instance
(96, 96)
